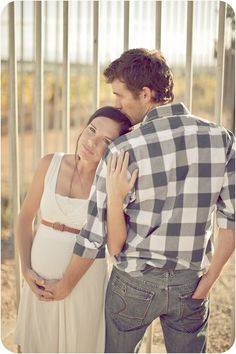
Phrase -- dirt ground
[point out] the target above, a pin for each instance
(221, 326)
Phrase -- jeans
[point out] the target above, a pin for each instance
(132, 303)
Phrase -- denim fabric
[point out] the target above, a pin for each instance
(132, 303)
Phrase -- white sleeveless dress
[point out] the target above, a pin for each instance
(75, 324)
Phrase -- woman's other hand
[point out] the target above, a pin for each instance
(117, 183)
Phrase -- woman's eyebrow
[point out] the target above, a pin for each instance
(107, 137)
(93, 126)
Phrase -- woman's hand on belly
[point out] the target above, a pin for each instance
(36, 284)
(57, 288)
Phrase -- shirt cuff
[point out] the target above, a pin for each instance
(225, 223)
(88, 252)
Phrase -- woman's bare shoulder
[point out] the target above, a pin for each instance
(44, 162)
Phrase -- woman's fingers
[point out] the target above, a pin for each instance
(35, 278)
(133, 179)
(44, 297)
(111, 164)
(125, 163)
(41, 293)
(119, 164)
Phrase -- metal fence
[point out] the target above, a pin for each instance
(39, 125)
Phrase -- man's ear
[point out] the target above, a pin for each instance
(146, 93)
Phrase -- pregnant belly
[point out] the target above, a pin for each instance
(51, 252)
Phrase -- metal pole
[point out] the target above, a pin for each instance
(66, 78)
(78, 65)
(126, 25)
(39, 81)
(13, 132)
(220, 63)
(96, 52)
(189, 57)
(56, 118)
(22, 109)
(46, 116)
(158, 24)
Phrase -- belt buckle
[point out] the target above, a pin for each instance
(58, 226)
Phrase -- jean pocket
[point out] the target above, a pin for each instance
(194, 312)
(129, 304)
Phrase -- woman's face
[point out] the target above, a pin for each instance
(96, 137)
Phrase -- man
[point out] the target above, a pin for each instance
(186, 172)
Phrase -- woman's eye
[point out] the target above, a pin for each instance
(92, 129)
(107, 141)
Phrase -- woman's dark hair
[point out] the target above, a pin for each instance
(141, 67)
(112, 113)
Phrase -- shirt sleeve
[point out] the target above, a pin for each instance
(226, 201)
(90, 242)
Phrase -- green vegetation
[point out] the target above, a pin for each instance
(81, 96)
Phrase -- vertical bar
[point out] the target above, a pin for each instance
(22, 109)
(96, 52)
(13, 132)
(158, 24)
(78, 58)
(220, 63)
(189, 56)
(66, 78)
(34, 98)
(126, 24)
(46, 70)
(56, 118)
(39, 81)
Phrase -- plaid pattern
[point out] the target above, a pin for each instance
(186, 170)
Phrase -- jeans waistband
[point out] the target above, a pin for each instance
(153, 274)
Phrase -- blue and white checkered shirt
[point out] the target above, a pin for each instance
(186, 171)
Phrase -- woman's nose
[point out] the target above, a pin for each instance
(92, 142)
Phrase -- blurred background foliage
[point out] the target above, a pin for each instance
(81, 90)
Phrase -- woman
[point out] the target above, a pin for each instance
(60, 189)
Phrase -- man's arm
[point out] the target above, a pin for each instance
(225, 218)
(223, 251)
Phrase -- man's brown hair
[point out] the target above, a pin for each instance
(141, 67)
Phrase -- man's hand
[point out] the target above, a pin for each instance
(224, 249)
(204, 286)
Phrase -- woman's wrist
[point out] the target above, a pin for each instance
(115, 202)
(25, 269)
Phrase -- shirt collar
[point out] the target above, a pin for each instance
(174, 109)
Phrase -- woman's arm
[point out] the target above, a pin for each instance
(118, 186)
(24, 225)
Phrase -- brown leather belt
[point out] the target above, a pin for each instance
(60, 227)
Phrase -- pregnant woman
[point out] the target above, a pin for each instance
(60, 190)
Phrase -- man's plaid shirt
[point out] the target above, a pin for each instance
(186, 171)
